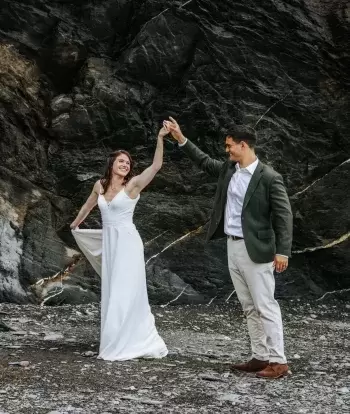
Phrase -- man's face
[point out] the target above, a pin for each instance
(234, 149)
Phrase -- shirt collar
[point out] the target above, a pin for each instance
(250, 168)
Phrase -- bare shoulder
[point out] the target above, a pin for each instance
(97, 187)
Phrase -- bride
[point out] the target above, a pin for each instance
(116, 252)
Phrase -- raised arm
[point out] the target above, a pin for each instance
(87, 207)
(207, 164)
(138, 183)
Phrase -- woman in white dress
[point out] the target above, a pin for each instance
(116, 252)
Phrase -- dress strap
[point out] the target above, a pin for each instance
(100, 188)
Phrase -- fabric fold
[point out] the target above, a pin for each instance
(90, 243)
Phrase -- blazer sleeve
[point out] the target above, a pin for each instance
(282, 216)
(209, 165)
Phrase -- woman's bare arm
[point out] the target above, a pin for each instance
(88, 206)
(138, 183)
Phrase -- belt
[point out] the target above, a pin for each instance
(235, 237)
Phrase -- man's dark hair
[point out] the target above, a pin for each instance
(240, 133)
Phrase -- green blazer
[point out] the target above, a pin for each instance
(267, 219)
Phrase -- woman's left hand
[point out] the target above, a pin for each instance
(163, 131)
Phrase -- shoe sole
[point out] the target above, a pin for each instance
(247, 372)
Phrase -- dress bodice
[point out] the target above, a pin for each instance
(119, 211)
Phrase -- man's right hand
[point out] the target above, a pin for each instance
(175, 130)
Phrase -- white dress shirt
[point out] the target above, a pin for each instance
(235, 197)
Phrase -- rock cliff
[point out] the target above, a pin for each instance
(80, 78)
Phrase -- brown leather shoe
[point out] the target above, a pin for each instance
(273, 371)
(254, 365)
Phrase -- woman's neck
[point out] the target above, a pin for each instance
(117, 181)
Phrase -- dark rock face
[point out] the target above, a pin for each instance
(103, 75)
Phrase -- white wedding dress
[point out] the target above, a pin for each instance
(116, 253)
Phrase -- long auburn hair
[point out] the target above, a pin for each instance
(108, 174)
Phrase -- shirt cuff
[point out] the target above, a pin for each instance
(184, 143)
(282, 255)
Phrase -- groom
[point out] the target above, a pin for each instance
(252, 210)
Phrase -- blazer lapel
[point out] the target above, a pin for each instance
(253, 184)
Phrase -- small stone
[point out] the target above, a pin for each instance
(229, 396)
(211, 378)
(20, 363)
(132, 388)
(141, 400)
(323, 338)
(88, 353)
(313, 316)
(19, 333)
(296, 356)
(53, 337)
(344, 390)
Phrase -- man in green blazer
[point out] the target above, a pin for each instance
(252, 210)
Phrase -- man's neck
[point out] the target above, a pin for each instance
(249, 159)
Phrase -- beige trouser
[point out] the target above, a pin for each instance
(255, 288)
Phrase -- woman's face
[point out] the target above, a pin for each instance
(121, 165)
